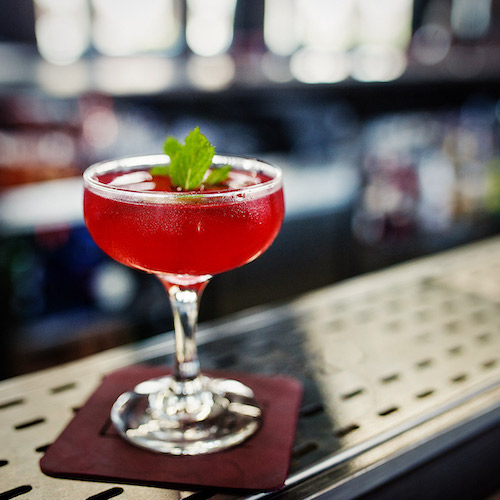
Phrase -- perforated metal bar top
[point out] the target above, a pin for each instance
(397, 365)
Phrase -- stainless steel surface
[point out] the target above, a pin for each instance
(397, 365)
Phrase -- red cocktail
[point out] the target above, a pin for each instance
(184, 237)
(154, 228)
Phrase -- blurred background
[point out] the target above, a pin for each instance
(385, 117)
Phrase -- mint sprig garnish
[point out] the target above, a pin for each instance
(217, 176)
(190, 162)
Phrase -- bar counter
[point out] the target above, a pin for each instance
(401, 376)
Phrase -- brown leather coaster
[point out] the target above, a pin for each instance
(90, 447)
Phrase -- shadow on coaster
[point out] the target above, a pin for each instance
(91, 449)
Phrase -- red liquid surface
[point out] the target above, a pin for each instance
(183, 237)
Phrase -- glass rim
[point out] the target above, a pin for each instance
(129, 162)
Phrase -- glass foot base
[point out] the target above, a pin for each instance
(200, 416)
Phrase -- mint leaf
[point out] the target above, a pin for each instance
(189, 162)
(217, 175)
(160, 170)
(172, 146)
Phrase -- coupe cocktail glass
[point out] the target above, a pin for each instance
(184, 238)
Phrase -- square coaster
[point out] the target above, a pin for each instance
(90, 447)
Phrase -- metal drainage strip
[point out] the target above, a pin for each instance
(403, 348)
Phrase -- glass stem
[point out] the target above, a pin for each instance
(185, 301)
